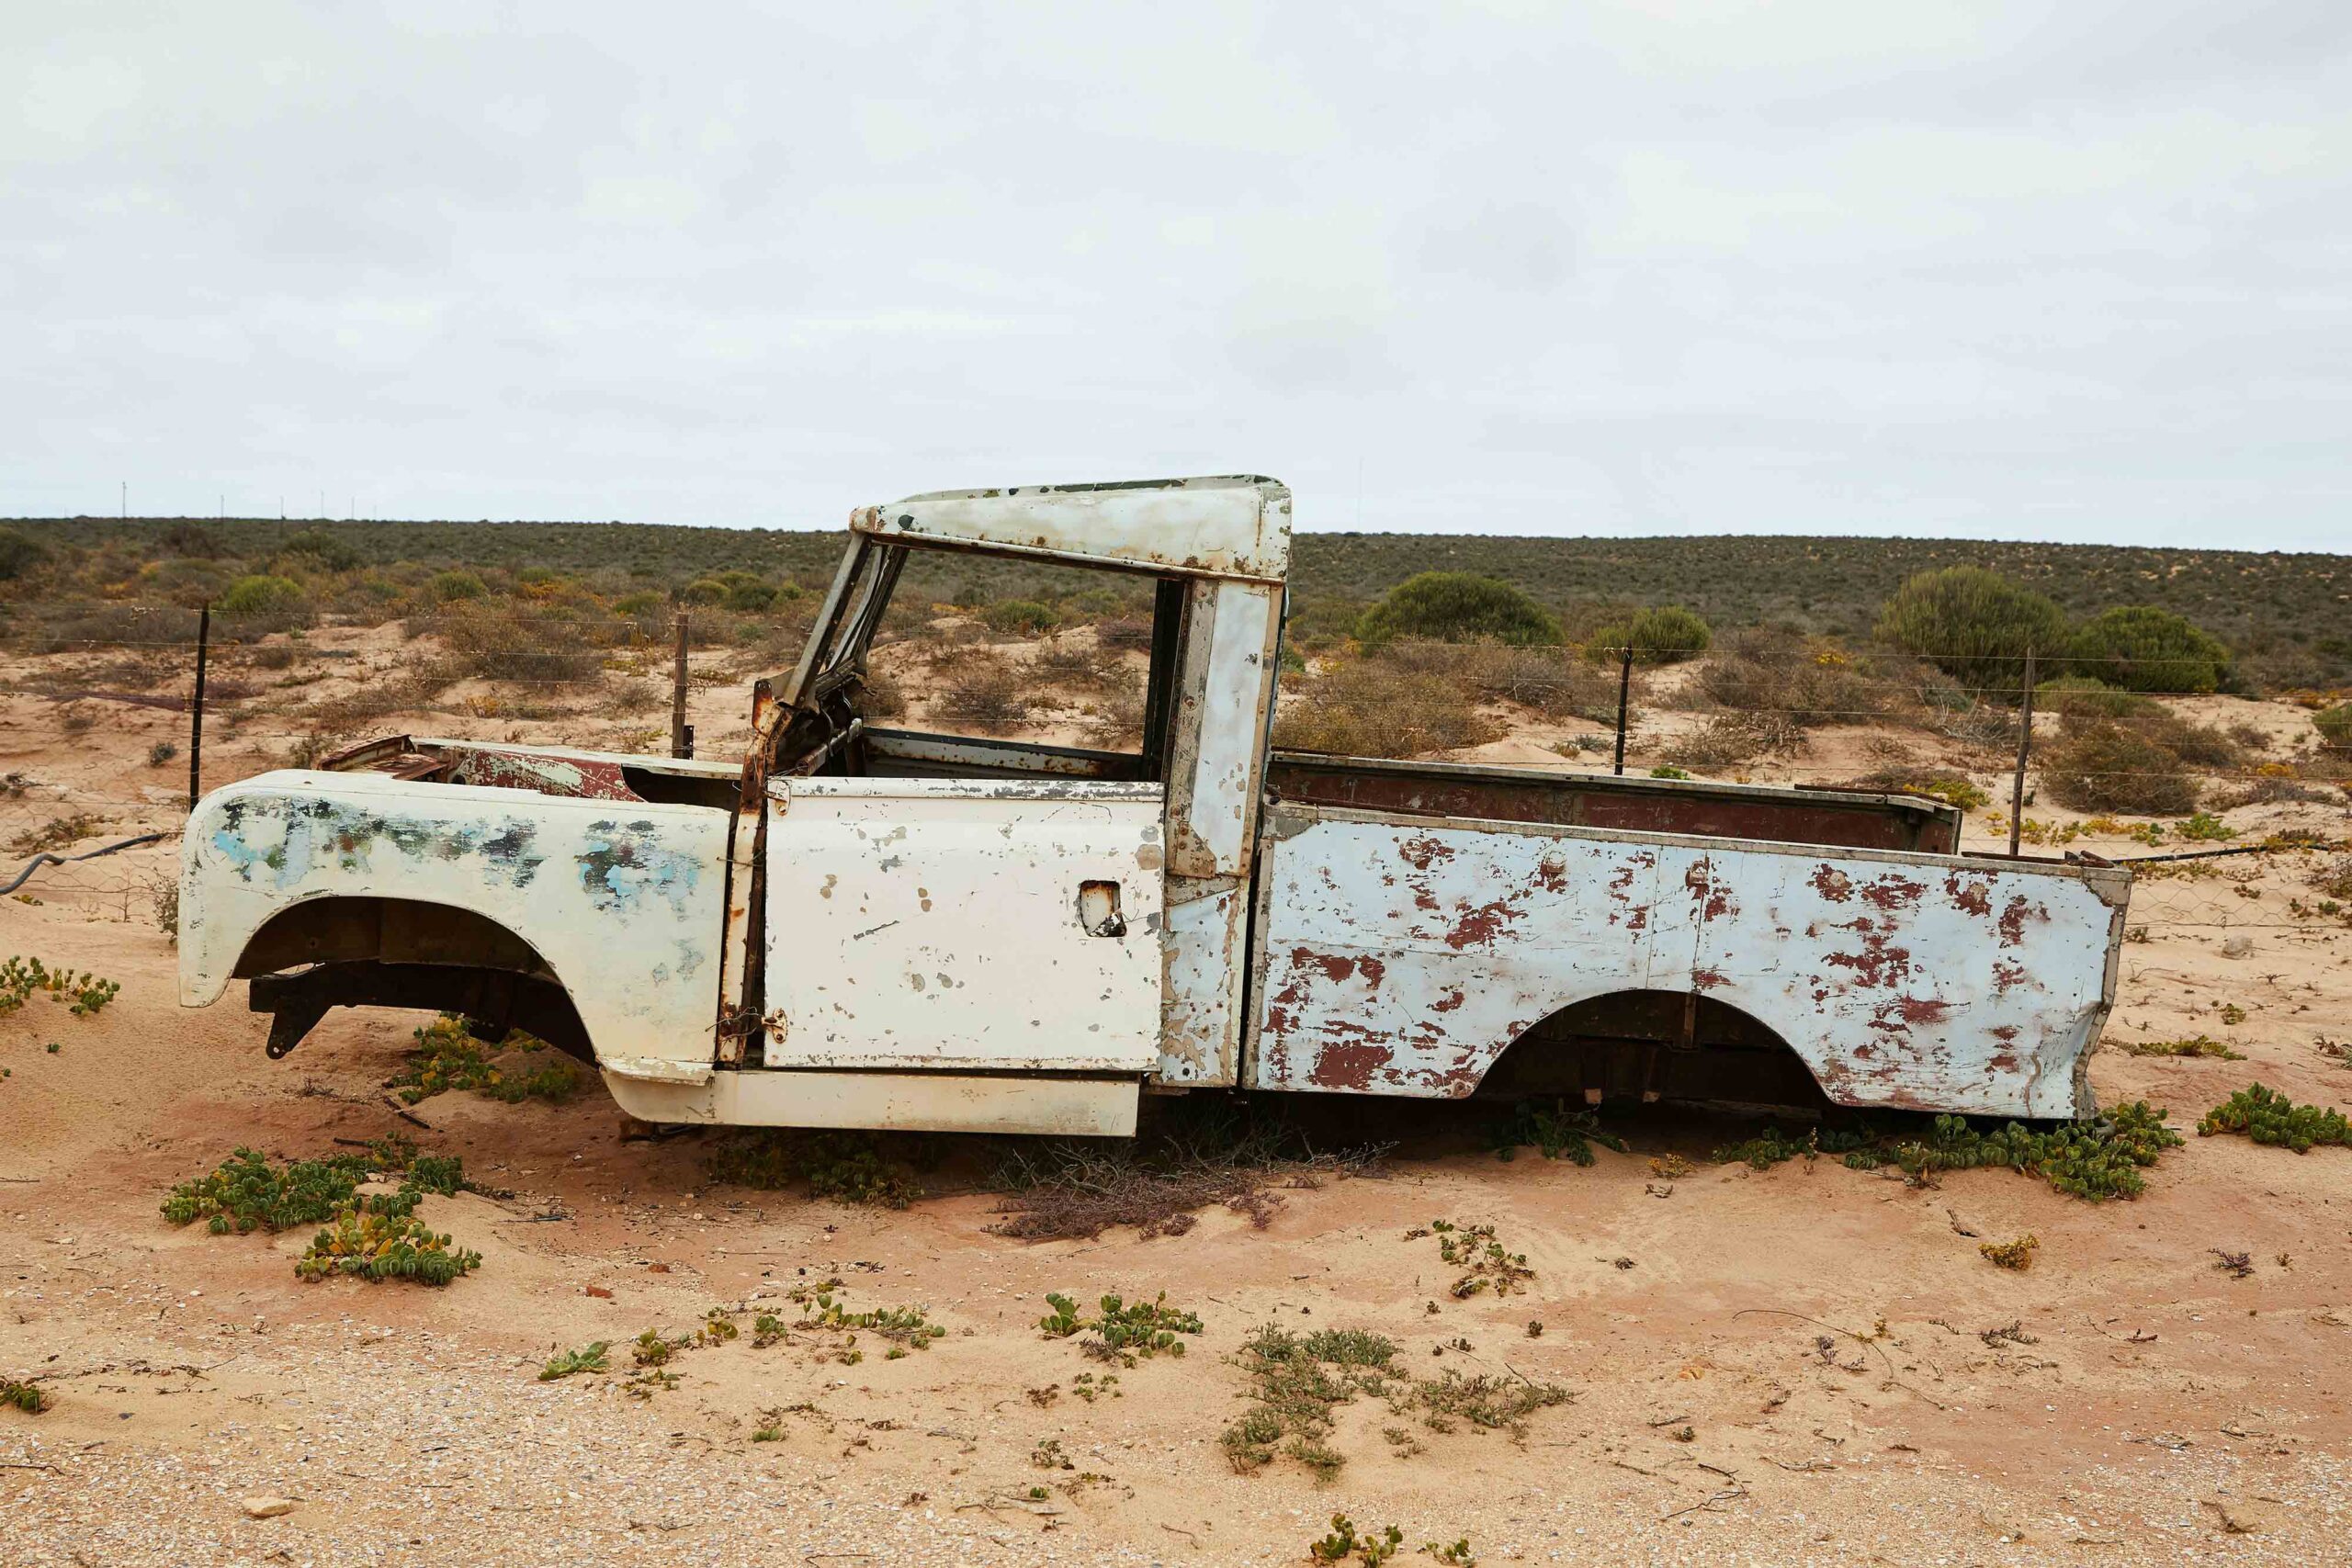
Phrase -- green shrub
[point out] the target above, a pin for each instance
(2268, 1117)
(448, 1056)
(2094, 1159)
(1666, 634)
(643, 606)
(266, 604)
(703, 591)
(1974, 625)
(1124, 1331)
(1025, 616)
(852, 1166)
(745, 592)
(2083, 696)
(2140, 647)
(371, 1245)
(2335, 726)
(322, 547)
(1458, 606)
(19, 553)
(2104, 767)
(447, 587)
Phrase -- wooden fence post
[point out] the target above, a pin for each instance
(195, 709)
(1625, 689)
(2025, 747)
(681, 735)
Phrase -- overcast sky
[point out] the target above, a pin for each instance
(2062, 271)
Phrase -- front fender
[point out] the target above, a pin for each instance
(623, 901)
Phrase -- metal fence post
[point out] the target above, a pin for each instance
(195, 709)
(2025, 747)
(1624, 688)
(681, 735)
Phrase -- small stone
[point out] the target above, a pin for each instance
(2237, 947)
(268, 1507)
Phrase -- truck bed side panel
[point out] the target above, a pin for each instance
(1401, 956)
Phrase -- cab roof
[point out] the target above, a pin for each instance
(1224, 525)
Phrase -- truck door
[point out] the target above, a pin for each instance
(964, 923)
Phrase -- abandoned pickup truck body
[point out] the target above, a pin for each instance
(862, 926)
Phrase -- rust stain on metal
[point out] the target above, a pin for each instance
(1970, 894)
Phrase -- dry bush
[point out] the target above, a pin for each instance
(2199, 745)
(880, 697)
(519, 640)
(1546, 680)
(1724, 740)
(1065, 1191)
(351, 714)
(1773, 670)
(1126, 635)
(2333, 880)
(1117, 723)
(1078, 662)
(1364, 708)
(2103, 766)
(985, 694)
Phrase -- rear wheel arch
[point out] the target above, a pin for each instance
(1655, 1043)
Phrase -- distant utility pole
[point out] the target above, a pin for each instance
(126, 498)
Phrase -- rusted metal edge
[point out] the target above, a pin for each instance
(1294, 818)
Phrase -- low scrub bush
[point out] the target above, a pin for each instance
(84, 994)
(1974, 625)
(17, 1393)
(1549, 681)
(2093, 1160)
(2103, 766)
(1197, 1157)
(1810, 681)
(256, 606)
(1666, 634)
(369, 1245)
(448, 1056)
(1486, 1264)
(1295, 1382)
(1342, 1544)
(2085, 697)
(985, 694)
(2335, 726)
(908, 1327)
(539, 642)
(1365, 708)
(1555, 1131)
(1949, 788)
(1458, 606)
(587, 1359)
(1123, 1331)
(451, 587)
(2140, 647)
(1021, 618)
(2267, 1116)
(2198, 1045)
(854, 1167)
(245, 1192)
(19, 554)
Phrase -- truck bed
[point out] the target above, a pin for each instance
(1481, 928)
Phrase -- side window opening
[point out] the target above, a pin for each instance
(1028, 669)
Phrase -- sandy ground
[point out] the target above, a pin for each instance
(2160, 1410)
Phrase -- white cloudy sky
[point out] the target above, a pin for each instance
(2069, 270)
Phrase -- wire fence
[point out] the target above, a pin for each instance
(104, 739)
